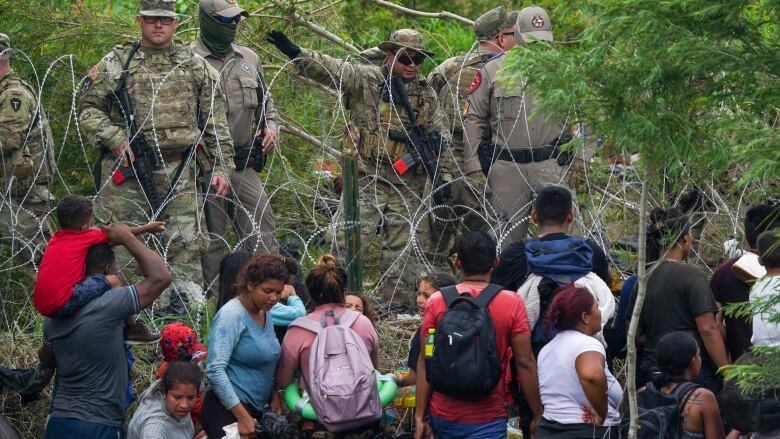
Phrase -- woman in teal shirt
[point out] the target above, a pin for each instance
(243, 349)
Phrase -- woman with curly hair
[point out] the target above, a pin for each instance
(243, 350)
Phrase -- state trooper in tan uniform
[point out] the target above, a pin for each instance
(388, 200)
(26, 166)
(178, 108)
(520, 155)
(251, 116)
(494, 31)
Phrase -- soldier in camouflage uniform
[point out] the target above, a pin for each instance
(250, 113)
(388, 201)
(523, 160)
(25, 168)
(177, 103)
(452, 79)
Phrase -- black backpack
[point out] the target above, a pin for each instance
(660, 414)
(465, 363)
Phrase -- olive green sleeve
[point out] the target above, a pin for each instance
(332, 72)
(213, 121)
(92, 105)
(17, 108)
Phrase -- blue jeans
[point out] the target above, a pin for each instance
(444, 429)
(68, 428)
(84, 292)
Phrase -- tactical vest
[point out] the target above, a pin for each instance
(459, 73)
(35, 158)
(164, 94)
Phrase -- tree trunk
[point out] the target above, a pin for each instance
(631, 363)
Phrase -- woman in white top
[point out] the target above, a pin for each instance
(579, 394)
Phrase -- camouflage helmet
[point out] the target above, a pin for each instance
(405, 39)
(158, 8)
(487, 25)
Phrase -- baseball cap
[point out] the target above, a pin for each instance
(158, 8)
(533, 24)
(224, 8)
(487, 25)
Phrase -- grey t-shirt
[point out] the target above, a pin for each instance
(91, 360)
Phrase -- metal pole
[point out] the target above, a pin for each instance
(352, 223)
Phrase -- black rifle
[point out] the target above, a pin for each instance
(425, 148)
(146, 161)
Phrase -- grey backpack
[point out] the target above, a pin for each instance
(342, 388)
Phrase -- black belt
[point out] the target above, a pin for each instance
(527, 155)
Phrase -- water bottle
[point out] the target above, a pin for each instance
(429, 343)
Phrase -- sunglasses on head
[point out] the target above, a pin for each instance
(228, 20)
(153, 20)
(407, 60)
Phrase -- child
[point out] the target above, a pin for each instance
(765, 331)
(62, 289)
(358, 302)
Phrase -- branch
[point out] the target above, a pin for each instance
(442, 14)
(321, 31)
(298, 132)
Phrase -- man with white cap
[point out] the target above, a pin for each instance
(523, 151)
(254, 127)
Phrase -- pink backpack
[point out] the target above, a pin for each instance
(343, 388)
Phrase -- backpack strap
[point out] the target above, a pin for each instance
(450, 293)
(488, 294)
(348, 318)
(308, 324)
(683, 392)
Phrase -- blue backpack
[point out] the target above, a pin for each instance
(559, 262)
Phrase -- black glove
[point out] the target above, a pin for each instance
(283, 43)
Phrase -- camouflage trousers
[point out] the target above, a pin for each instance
(183, 240)
(442, 227)
(390, 214)
(249, 210)
(24, 227)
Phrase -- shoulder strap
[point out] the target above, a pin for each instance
(683, 392)
(125, 72)
(348, 318)
(488, 294)
(308, 324)
(450, 293)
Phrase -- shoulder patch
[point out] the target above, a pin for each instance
(16, 104)
(246, 67)
(476, 82)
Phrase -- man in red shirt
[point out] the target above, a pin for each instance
(478, 417)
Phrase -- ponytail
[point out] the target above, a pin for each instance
(675, 351)
(327, 281)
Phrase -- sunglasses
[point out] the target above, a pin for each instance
(407, 60)
(228, 20)
(153, 20)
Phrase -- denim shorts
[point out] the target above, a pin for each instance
(444, 429)
(84, 292)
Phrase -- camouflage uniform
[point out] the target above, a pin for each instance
(388, 201)
(25, 169)
(503, 113)
(248, 104)
(177, 102)
(451, 80)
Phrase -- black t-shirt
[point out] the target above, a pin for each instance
(512, 267)
(414, 351)
(676, 294)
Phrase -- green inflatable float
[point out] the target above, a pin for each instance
(292, 395)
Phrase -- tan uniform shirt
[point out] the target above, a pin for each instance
(504, 114)
(247, 99)
(176, 99)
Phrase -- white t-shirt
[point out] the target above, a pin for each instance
(559, 385)
(765, 333)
